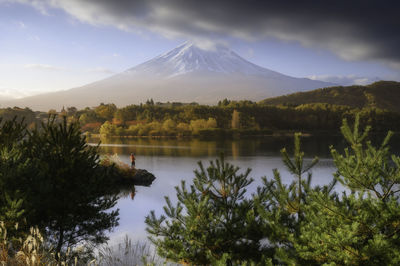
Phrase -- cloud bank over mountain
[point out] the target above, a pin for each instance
(354, 30)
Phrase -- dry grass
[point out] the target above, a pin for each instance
(31, 251)
(130, 254)
(124, 169)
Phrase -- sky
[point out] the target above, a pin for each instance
(49, 45)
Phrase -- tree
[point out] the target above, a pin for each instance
(150, 102)
(70, 186)
(13, 165)
(302, 224)
(211, 221)
(183, 128)
(106, 111)
(224, 102)
(107, 129)
(64, 189)
(281, 206)
(52, 112)
(197, 125)
(121, 116)
(235, 123)
(72, 110)
(361, 227)
(169, 126)
(314, 225)
(211, 123)
(88, 116)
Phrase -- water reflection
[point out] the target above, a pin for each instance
(173, 160)
(270, 146)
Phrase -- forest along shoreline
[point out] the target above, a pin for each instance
(228, 119)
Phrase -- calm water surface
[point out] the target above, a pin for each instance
(172, 160)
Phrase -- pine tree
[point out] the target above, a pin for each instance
(212, 220)
(361, 226)
(54, 177)
(13, 164)
(280, 206)
(69, 185)
(303, 224)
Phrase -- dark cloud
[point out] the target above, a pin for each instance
(354, 30)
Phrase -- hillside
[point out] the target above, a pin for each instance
(381, 94)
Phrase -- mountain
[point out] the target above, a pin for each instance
(187, 73)
(4, 100)
(381, 94)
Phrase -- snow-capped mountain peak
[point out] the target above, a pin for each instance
(187, 73)
(189, 57)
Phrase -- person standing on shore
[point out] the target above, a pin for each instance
(132, 160)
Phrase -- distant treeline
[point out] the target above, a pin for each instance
(228, 118)
(30, 117)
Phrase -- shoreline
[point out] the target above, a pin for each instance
(233, 137)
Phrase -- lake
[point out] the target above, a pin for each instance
(173, 160)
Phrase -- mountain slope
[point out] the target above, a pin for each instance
(189, 58)
(381, 94)
(184, 74)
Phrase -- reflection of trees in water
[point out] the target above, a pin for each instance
(268, 146)
(235, 149)
(161, 147)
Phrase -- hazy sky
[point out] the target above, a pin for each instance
(48, 45)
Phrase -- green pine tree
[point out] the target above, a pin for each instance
(212, 221)
(55, 177)
(13, 165)
(70, 187)
(280, 206)
(361, 226)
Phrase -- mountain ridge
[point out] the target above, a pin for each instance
(381, 94)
